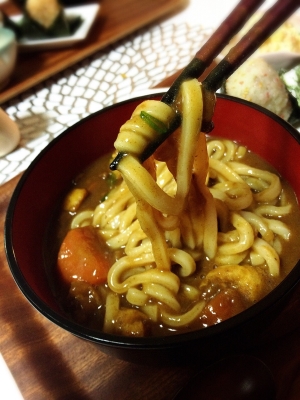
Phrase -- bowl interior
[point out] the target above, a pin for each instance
(47, 179)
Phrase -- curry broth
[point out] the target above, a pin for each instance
(99, 180)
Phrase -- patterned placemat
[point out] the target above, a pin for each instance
(136, 63)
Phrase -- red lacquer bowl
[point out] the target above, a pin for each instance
(45, 181)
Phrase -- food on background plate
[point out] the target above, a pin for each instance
(44, 13)
(194, 235)
(43, 19)
(285, 38)
(291, 80)
(256, 81)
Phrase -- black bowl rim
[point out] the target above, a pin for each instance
(269, 302)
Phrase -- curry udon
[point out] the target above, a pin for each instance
(190, 237)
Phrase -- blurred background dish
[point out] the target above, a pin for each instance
(9, 134)
(8, 55)
(87, 13)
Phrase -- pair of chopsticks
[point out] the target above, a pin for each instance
(253, 39)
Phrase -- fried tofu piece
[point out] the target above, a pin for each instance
(131, 322)
(245, 278)
(74, 199)
(44, 12)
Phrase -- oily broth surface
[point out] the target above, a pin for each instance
(97, 178)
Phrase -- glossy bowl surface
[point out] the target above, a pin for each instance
(45, 181)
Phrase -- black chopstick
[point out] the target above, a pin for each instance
(214, 45)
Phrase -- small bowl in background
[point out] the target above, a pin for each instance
(46, 180)
(8, 55)
(9, 134)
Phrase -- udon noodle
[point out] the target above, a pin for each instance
(191, 223)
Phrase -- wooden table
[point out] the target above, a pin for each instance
(49, 363)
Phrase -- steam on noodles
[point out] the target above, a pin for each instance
(192, 224)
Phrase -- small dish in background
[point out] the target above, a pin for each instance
(8, 55)
(9, 134)
(88, 15)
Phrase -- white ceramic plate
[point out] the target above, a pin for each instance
(88, 14)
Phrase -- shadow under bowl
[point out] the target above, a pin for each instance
(46, 180)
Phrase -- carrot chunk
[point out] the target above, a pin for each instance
(224, 305)
(83, 257)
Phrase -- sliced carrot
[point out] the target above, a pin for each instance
(224, 305)
(83, 257)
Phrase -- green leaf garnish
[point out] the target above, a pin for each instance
(111, 179)
(154, 123)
